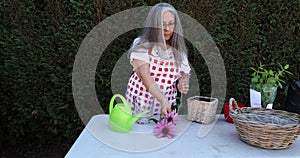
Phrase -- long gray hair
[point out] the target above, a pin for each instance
(152, 33)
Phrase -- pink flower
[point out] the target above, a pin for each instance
(166, 126)
(164, 129)
(172, 117)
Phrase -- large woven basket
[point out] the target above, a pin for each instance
(202, 109)
(265, 128)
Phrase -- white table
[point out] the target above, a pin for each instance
(219, 139)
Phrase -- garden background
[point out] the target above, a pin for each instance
(40, 39)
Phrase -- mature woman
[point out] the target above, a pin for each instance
(159, 58)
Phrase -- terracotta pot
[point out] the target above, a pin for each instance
(227, 110)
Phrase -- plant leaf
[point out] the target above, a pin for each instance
(286, 66)
(254, 80)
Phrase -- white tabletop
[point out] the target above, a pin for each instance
(218, 139)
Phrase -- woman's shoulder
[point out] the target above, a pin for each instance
(136, 41)
(140, 41)
(140, 44)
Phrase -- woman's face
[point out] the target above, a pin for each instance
(168, 24)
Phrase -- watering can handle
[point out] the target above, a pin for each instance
(111, 104)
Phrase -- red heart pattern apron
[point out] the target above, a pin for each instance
(164, 73)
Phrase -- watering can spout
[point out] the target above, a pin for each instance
(134, 119)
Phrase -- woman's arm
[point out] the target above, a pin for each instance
(142, 69)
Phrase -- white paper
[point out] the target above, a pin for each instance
(269, 106)
(255, 98)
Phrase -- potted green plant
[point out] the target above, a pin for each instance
(266, 81)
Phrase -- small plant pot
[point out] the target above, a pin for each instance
(202, 109)
(268, 95)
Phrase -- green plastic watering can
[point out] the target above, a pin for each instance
(120, 118)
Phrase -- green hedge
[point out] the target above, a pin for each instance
(39, 41)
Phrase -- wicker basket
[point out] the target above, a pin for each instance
(202, 109)
(265, 128)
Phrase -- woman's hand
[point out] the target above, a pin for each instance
(183, 87)
(165, 108)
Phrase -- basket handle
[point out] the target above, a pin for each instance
(231, 102)
(299, 126)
